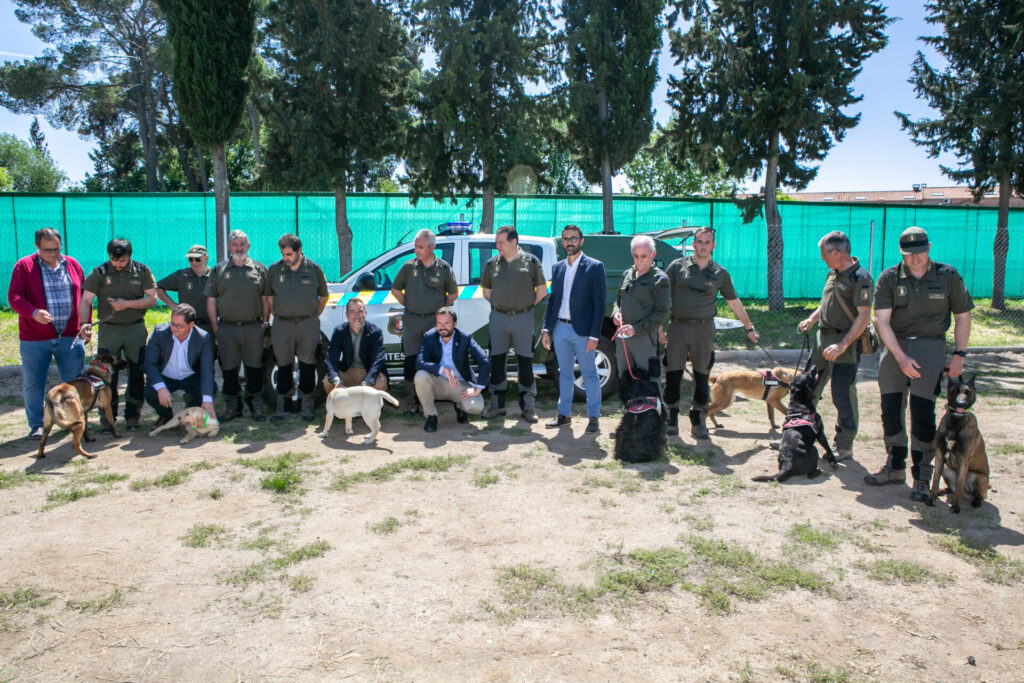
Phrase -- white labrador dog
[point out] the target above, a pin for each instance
(195, 421)
(346, 403)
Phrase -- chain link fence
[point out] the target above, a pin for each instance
(163, 226)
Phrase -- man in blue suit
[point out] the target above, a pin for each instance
(572, 322)
(443, 372)
(179, 357)
(356, 354)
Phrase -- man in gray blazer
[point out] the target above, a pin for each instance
(179, 357)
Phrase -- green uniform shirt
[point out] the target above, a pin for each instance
(643, 301)
(238, 290)
(130, 283)
(695, 289)
(921, 308)
(425, 289)
(296, 292)
(191, 289)
(513, 284)
(853, 286)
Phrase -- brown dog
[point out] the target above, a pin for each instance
(770, 386)
(195, 421)
(67, 405)
(959, 448)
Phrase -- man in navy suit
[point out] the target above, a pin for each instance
(179, 356)
(356, 354)
(443, 372)
(572, 322)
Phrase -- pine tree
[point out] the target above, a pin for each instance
(980, 99)
(612, 68)
(763, 87)
(212, 42)
(338, 104)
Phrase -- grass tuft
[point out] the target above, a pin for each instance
(9, 480)
(104, 603)
(898, 571)
(995, 567)
(202, 535)
(171, 478)
(388, 472)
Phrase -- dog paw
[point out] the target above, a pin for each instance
(368, 440)
(955, 509)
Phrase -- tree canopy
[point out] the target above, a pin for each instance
(28, 169)
(980, 99)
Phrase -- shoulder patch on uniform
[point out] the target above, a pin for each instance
(865, 295)
(901, 290)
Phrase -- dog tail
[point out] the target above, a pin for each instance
(389, 398)
(58, 410)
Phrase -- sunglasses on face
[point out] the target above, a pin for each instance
(195, 259)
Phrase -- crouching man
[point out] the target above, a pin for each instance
(179, 357)
(443, 372)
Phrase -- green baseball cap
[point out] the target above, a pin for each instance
(914, 240)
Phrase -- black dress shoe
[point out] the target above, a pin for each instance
(431, 425)
(461, 417)
(592, 426)
(558, 421)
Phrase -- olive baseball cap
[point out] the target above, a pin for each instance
(196, 250)
(914, 240)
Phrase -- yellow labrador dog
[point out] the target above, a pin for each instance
(346, 403)
(195, 421)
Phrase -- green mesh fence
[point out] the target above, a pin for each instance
(161, 227)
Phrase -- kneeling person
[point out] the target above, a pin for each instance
(355, 356)
(179, 357)
(443, 372)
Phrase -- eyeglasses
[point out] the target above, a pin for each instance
(570, 239)
(195, 259)
(180, 326)
(55, 250)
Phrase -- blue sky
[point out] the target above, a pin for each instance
(876, 155)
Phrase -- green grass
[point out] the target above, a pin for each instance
(388, 525)
(385, 473)
(81, 482)
(807, 535)
(483, 478)
(536, 592)
(202, 535)
(9, 480)
(170, 478)
(683, 454)
(994, 567)
(104, 603)
(23, 599)
(275, 566)
(899, 571)
(285, 473)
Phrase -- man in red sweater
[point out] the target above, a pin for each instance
(45, 290)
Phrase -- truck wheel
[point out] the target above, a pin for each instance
(607, 373)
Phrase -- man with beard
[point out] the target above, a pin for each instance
(123, 289)
(443, 372)
(238, 312)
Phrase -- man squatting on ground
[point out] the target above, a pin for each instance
(913, 303)
(296, 296)
(124, 289)
(45, 290)
(190, 284)
(236, 291)
(842, 316)
(513, 281)
(696, 282)
(355, 356)
(572, 324)
(423, 285)
(443, 371)
(641, 306)
(179, 357)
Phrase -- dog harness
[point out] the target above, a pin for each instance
(770, 381)
(811, 421)
(642, 405)
(96, 383)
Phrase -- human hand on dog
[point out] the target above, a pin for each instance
(164, 397)
(452, 379)
(909, 367)
(42, 316)
(470, 392)
(545, 340)
(329, 386)
(210, 412)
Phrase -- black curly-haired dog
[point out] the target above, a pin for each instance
(803, 426)
(641, 435)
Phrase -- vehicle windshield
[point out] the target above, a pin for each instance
(361, 266)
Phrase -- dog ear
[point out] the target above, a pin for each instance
(971, 380)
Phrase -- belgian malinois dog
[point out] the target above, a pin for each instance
(959, 449)
(67, 405)
(770, 386)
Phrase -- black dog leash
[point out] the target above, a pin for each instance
(805, 346)
(770, 357)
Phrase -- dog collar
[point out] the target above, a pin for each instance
(642, 405)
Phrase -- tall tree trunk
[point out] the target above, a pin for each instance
(773, 222)
(254, 121)
(607, 223)
(142, 113)
(221, 194)
(1002, 244)
(344, 232)
(487, 214)
(204, 174)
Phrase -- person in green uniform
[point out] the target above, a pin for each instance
(423, 285)
(513, 281)
(296, 294)
(836, 349)
(238, 313)
(913, 304)
(123, 289)
(190, 285)
(696, 281)
(641, 306)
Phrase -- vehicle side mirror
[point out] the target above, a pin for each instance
(365, 282)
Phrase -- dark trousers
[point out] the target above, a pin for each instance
(190, 385)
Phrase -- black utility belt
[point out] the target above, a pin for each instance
(832, 330)
(691, 321)
(140, 321)
(521, 310)
(422, 315)
(923, 338)
(240, 324)
(294, 318)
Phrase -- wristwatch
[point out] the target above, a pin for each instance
(962, 354)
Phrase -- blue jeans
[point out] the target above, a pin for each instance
(571, 348)
(35, 364)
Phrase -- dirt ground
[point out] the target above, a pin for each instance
(501, 552)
